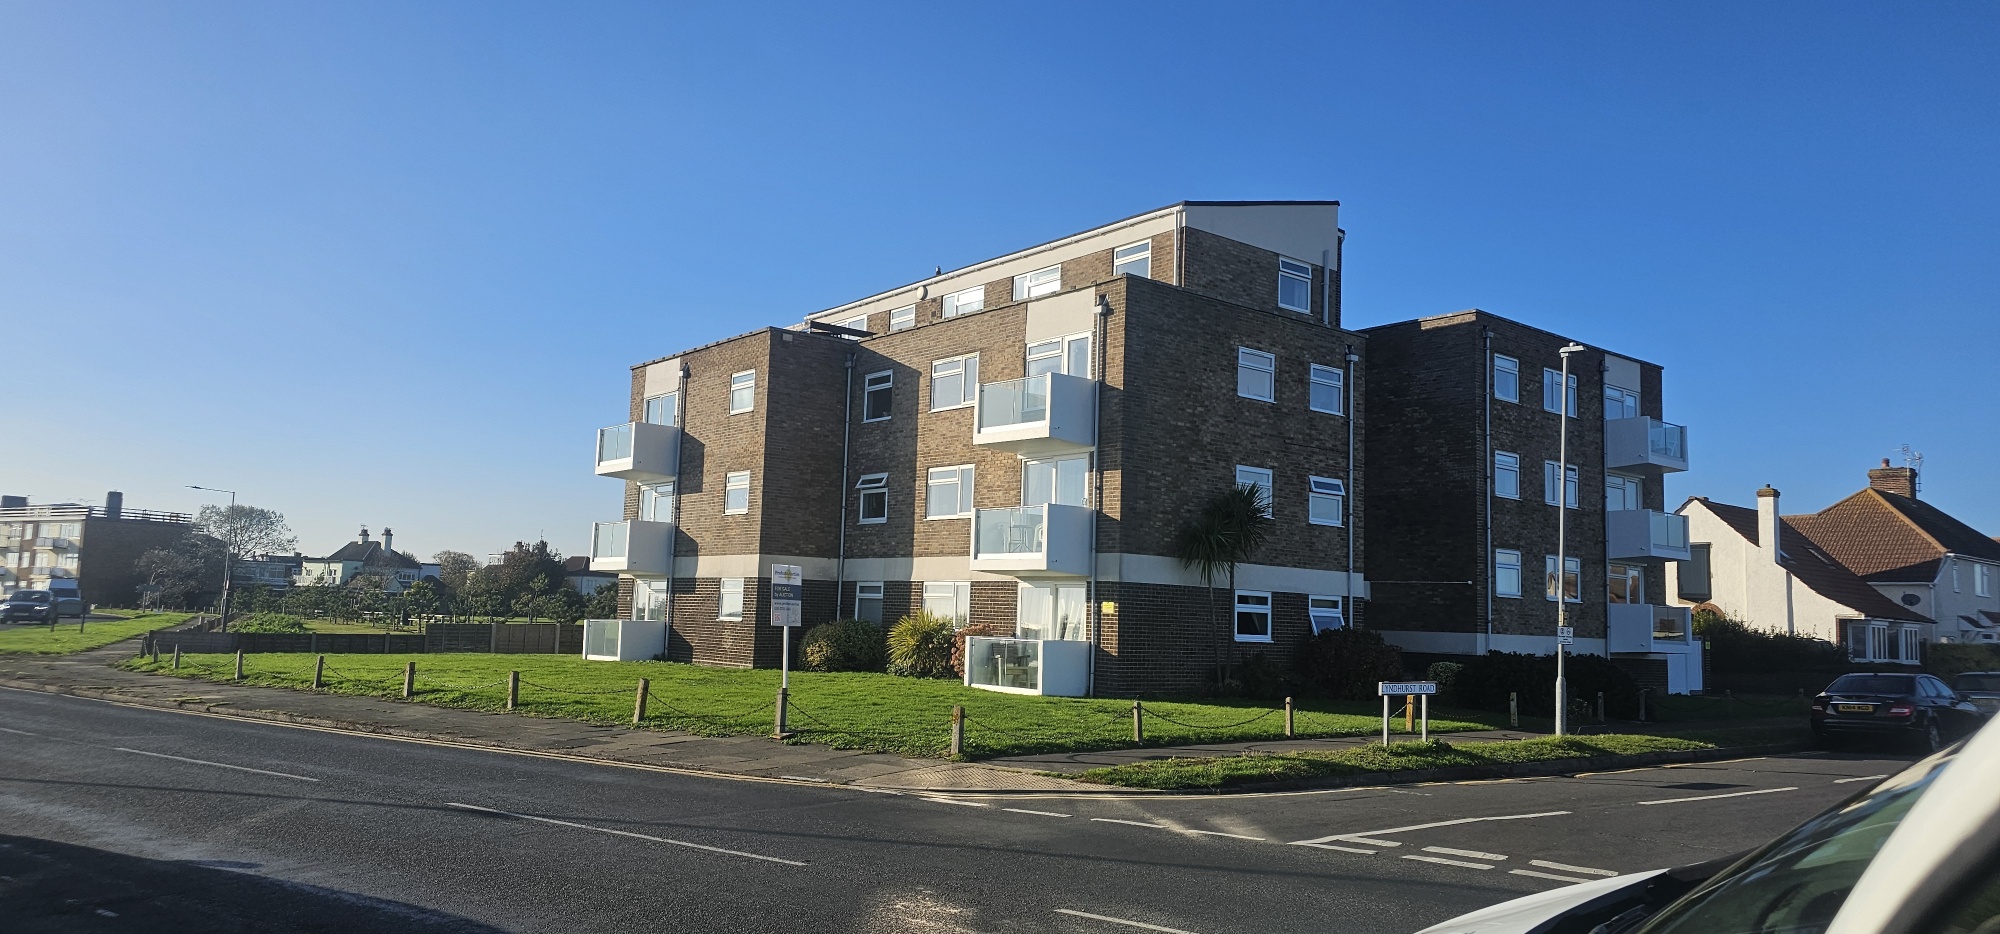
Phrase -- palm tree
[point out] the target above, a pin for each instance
(1223, 533)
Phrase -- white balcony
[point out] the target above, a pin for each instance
(1633, 534)
(1032, 541)
(624, 640)
(1645, 445)
(1053, 413)
(638, 451)
(1638, 627)
(1049, 667)
(634, 547)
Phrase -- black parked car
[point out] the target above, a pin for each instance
(1916, 708)
(1982, 688)
(22, 605)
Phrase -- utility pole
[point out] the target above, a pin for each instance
(1562, 543)
(228, 548)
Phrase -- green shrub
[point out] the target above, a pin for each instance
(1446, 676)
(1948, 660)
(1734, 646)
(268, 622)
(1485, 681)
(843, 645)
(1347, 663)
(920, 646)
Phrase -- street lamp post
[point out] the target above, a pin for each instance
(227, 552)
(1562, 543)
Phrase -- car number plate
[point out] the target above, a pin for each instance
(1855, 708)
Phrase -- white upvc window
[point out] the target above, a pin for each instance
(1572, 574)
(1506, 474)
(1568, 484)
(949, 599)
(954, 382)
(876, 394)
(664, 409)
(1253, 616)
(1067, 355)
(656, 502)
(1256, 375)
(1325, 614)
(1295, 285)
(736, 493)
(1620, 403)
(742, 392)
(1622, 492)
(1912, 644)
(649, 600)
(1625, 583)
(1260, 478)
(1324, 501)
(1059, 480)
(868, 601)
(1051, 611)
(856, 323)
(948, 492)
(1133, 259)
(730, 605)
(874, 507)
(1982, 579)
(903, 319)
(1038, 283)
(1552, 400)
(965, 302)
(1506, 572)
(1327, 390)
(1506, 378)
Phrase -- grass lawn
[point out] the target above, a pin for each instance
(64, 639)
(1242, 770)
(909, 716)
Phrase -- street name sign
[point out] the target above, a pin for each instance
(1394, 688)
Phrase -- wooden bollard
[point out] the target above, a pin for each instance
(957, 731)
(1138, 722)
(1514, 710)
(1289, 733)
(513, 689)
(639, 701)
(319, 672)
(239, 664)
(409, 680)
(177, 656)
(1600, 707)
(1409, 713)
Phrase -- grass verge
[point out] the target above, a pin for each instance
(908, 716)
(1229, 771)
(64, 639)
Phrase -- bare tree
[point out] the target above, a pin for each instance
(247, 530)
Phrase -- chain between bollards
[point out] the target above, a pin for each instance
(639, 701)
(957, 731)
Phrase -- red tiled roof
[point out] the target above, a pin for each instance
(1887, 537)
(1813, 567)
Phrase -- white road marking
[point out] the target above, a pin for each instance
(1447, 862)
(16, 732)
(802, 778)
(219, 765)
(1141, 925)
(623, 833)
(1362, 835)
(1343, 849)
(1036, 813)
(1469, 854)
(963, 804)
(1546, 875)
(1372, 842)
(1837, 781)
(1233, 836)
(1586, 870)
(1134, 823)
(1733, 794)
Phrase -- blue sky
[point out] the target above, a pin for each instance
(388, 263)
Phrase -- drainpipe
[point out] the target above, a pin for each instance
(1353, 496)
(1099, 354)
(1486, 517)
(846, 426)
(1180, 248)
(674, 534)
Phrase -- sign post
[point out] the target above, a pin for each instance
(1410, 689)
(787, 599)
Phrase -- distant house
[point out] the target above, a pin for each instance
(365, 556)
(275, 572)
(578, 575)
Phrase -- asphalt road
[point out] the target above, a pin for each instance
(129, 819)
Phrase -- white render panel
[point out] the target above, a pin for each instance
(1063, 315)
(1621, 372)
(662, 378)
(1306, 232)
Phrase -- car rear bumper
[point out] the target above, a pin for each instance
(1860, 726)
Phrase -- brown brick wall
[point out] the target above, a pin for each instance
(1238, 272)
(108, 553)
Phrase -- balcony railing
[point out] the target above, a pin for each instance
(1051, 413)
(1052, 667)
(635, 547)
(638, 451)
(1052, 540)
(1646, 445)
(1645, 533)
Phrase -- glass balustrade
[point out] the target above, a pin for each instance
(1004, 663)
(608, 539)
(1013, 402)
(1667, 439)
(614, 443)
(1670, 531)
(1017, 530)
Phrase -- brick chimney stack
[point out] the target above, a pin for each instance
(364, 535)
(1768, 526)
(1901, 481)
(388, 540)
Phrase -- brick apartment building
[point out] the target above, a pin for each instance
(1463, 480)
(96, 549)
(1015, 444)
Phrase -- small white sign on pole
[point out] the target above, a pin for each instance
(1565, 635)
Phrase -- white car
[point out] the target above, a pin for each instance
(1917, 854)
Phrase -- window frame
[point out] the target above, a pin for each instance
(964, 482)
(1572, 485)
(1146, 257)
(957, 304)
(1025, 286)
(1269, 485)
(871, 484)
(1498, 470)
(730, 485)
(1982, 579)
(860, 588)
(1498, 587)
(902, 319)
(1236, 618)
(1313, 612)
(1569, 561)
(869, 387)
(1623, 396)
(750, 386)
(646, 409)
(1337, 492)
(968, 375)
(1338, 382)
(652, 497)
(1624, 483)
(1305, 278)
(723, 589)
(1512, 368)
(1551, 377)
(851, 324)
(1248, 358)
(961, 597)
